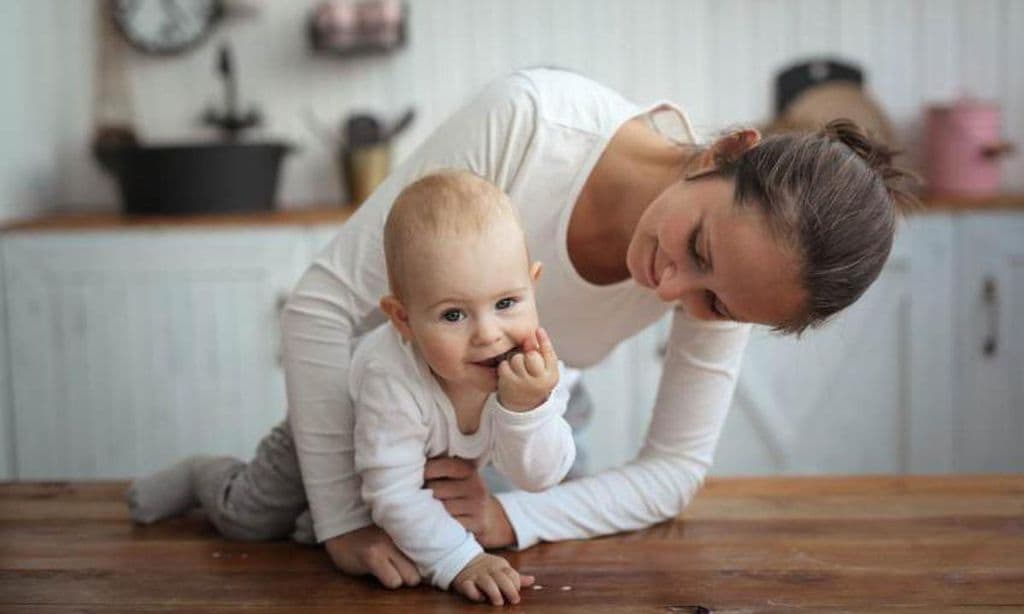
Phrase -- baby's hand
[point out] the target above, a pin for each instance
(527, 379)
(490, 577)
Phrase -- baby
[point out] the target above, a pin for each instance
(463, 371)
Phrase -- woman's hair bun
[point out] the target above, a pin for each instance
(879, 156)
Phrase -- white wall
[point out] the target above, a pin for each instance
(717, 58)
(28, 111)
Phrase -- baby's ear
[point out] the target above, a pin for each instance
(535, 271)
(396, 312)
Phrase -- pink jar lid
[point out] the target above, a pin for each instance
(965, 104)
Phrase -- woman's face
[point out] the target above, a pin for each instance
(695, 246)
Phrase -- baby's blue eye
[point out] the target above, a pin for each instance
(505, 303)
(453, 315)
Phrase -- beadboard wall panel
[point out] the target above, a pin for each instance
(715, 58)
(7, 452)
(871, 392)
(130, 350)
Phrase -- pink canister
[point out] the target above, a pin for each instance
(964, 147)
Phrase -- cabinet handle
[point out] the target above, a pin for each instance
(279, 304)
(282, 300)
(990, 300)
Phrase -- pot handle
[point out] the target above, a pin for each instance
(998, 150)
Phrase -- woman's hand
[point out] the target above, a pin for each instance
(460, 488)
(370, 551)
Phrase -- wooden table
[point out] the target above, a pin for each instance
(824, 544)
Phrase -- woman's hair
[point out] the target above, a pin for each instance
(834, 196)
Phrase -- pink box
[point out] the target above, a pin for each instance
(964, 148)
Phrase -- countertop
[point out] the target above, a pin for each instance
(109, 221)
(823, 544)
(317, 215)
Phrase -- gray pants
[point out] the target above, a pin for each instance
(264, 499)
(259, 500)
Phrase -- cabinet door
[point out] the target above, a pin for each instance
(320, 236)
(129, 350)
(869, 392)
(7, 458)
(990, 343)
(622, 388)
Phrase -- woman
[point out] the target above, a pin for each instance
(630, 223)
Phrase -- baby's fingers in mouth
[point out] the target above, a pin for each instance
(500, 358)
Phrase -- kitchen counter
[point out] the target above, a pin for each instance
(967, 204)
(108, 221)
(338, 214)
(825, 544)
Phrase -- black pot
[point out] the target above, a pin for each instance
(197, 178)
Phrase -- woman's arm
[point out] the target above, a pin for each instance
(699, 377)
(336, 299)
(331, 306)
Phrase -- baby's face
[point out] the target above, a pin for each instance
(470, 300)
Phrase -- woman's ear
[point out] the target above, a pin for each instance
(535, 270)
(728, 147)
(396, 312)
(735, 144)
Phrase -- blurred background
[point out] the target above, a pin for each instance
(129, 340)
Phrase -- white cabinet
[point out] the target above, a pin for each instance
(622, 389)
(989, 428)
(7, 460)
(870, 392)
(129, 349)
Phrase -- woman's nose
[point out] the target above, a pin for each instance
(672, 283)
(680, 286)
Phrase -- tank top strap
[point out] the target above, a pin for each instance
(652, 112)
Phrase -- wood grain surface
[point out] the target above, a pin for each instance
(336, 214)
(60, 222)
(821, 544)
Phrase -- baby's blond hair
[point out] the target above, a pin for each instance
(450, 203)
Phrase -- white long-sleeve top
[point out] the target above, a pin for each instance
(537, 134)
(403, 417)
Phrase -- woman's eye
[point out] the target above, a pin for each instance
(453, 315)
(701, 264)
(505, 303)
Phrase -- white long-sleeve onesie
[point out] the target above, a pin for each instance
(536, 134)
(403, 417)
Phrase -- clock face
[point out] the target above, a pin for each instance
(165, 26)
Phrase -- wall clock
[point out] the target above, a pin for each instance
(165, 27)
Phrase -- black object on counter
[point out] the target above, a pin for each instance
(193, 178)
(796, 79)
